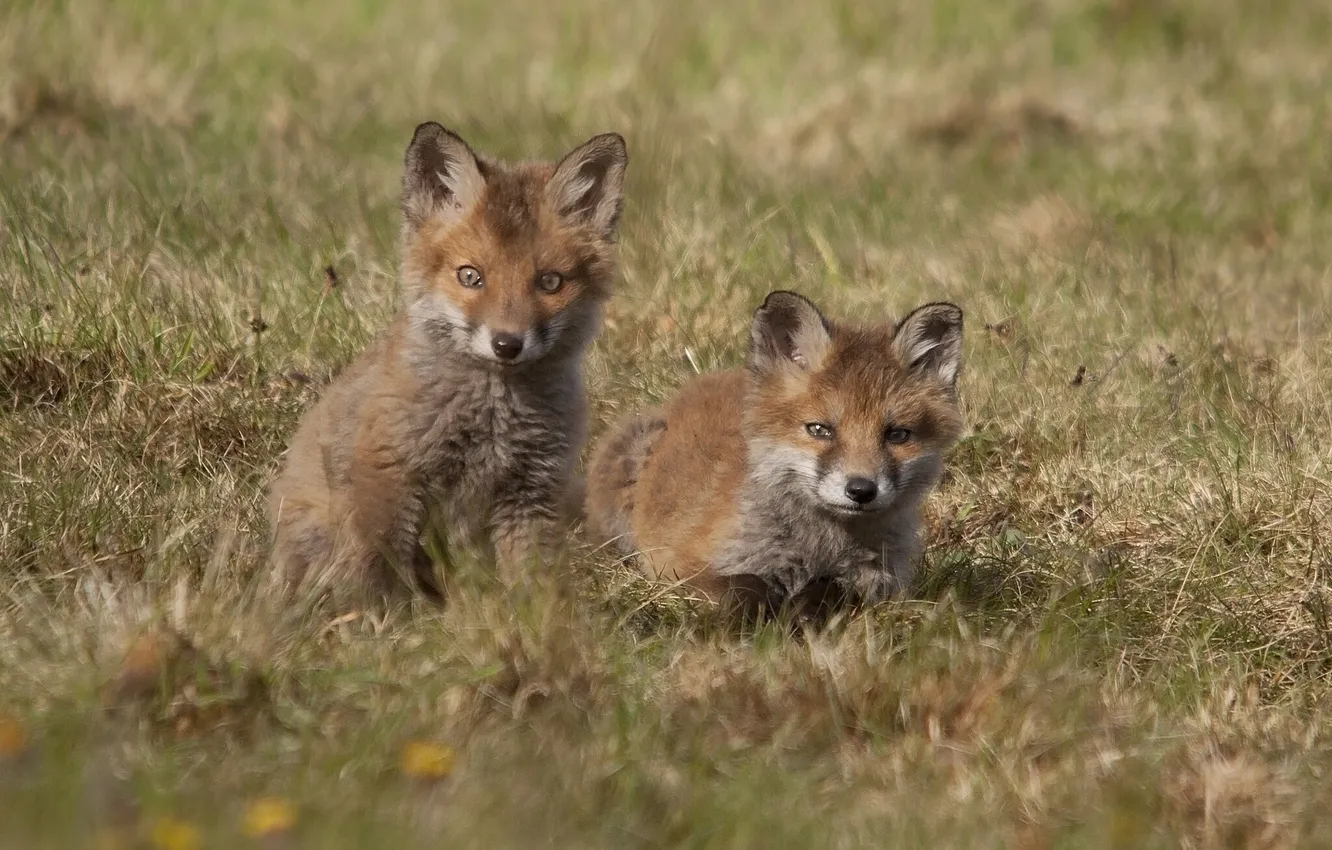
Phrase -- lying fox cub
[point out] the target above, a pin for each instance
(806, 469)
(467, 415)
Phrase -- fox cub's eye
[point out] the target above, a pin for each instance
(819, 431)
(550, 282)
(897, 435)
(469, 277)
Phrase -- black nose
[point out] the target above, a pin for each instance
(506, 346)
(861, 490)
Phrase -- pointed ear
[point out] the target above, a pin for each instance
(929, 340)
(442, 177)
(588, 184)
(788, 329)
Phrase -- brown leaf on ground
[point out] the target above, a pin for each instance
(166, 679)
(150, 664)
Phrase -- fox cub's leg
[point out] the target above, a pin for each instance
(386, 509)
(524, 533)
(529, 517)
(302, 541)
(875, 584)
(574, 503)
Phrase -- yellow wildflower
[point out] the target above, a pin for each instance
(269, 816)
(173, 834)
(427, 760)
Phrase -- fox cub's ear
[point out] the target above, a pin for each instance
(788, 329)
(588, 184)
(442, 178)
(929, 340)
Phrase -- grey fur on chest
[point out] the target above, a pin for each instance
(474, 429)
(483, 436)
(791, 544)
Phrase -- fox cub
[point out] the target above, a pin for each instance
(803, 472)
(465, 418)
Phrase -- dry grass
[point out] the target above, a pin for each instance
(1121, 637)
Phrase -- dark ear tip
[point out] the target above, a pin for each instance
(611, 143)
(428, 129)
(944, 311)
(783, 299)
(432, 133)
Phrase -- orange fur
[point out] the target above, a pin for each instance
(464, 420)
(730, 485)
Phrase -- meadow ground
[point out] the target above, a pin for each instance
(1120, 637)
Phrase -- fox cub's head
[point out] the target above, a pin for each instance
(854, 419)
(509, 264)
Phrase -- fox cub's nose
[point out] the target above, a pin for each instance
(861, 490)
(506, 346)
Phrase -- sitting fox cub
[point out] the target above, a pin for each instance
(467, 415)
(807, 469)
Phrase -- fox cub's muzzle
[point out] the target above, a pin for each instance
(861, 490)
(506, 346)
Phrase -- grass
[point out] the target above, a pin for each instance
(1121, 634)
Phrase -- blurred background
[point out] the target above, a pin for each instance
(869, 142)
